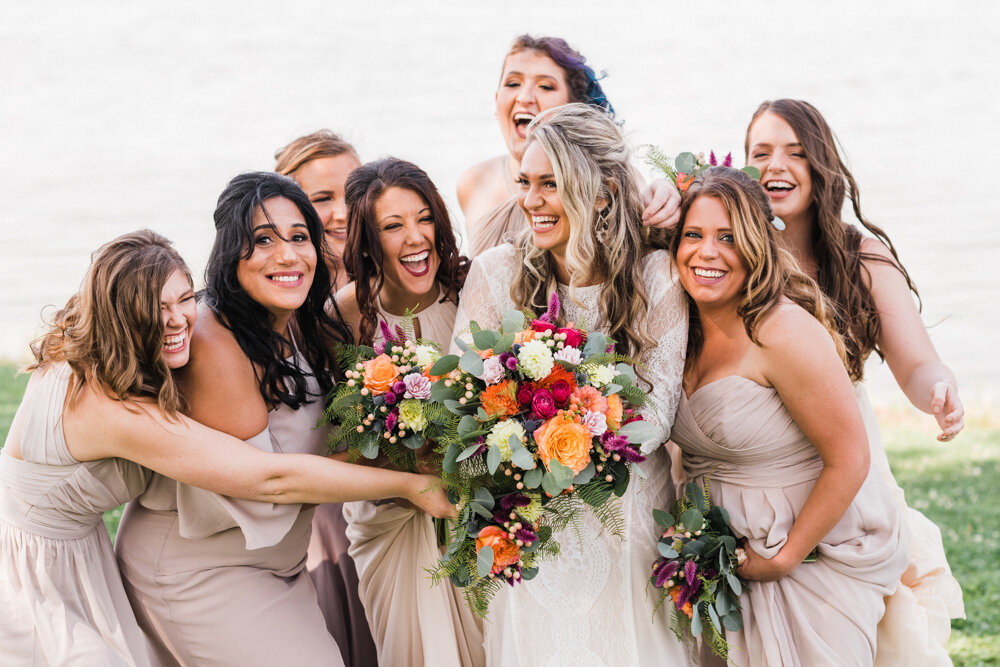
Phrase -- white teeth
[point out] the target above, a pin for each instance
(779, 185)
(544, 221)
(709, 273)
(286, 279)
(416, 258)
(174, 342)
(526, 117)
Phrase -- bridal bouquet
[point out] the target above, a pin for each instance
(385, 404)
(548, 425)
(684, 168)
(697, 569)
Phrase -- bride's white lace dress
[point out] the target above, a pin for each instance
(591, 605)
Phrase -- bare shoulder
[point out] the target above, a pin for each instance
(474, 176)
(789, 331)
(481, 187)
(219, 384)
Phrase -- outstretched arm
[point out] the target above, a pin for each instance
(924, 378)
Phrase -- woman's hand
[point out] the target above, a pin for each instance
(662, 204)
(429, 496)
(758, 568)
(947, 409)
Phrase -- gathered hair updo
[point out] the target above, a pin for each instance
(584, 84)
(590, 163)
(112, 331)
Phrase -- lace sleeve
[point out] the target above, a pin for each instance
(486, 295)
(666, 323)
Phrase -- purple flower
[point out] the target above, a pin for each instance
(526, 535)
(711, 159)
(398, 387)
(512, 500)
(691, 572)
(416, 385)
(728, 162)
(379, 347)
(686, 593)
(552, 314)
(390, 398)
(509, 361)
(391, 420)
(386, 332)
(664, 571)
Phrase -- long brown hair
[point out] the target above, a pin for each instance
(771, 271)
(363, 251)
(590, 162)
(841, 271)
(319, 144)
(111, 331)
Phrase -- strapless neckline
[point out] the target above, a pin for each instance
(719, 381)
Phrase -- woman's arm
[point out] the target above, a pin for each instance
(924, 378)
(800, 360)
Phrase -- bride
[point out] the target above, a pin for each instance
(589, 605)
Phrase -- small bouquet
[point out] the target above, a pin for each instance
(385, 405)
(548, 425)
(697, 569)
(684, 168)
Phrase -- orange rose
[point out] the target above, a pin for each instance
(505, 552)
(522, 337)
(380, 373)
(615, 412)
(565, 441)
(684, 181)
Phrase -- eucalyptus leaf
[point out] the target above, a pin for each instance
(440, 393)
(484, 561)
(533, 477)
(638, 432)
(692, 520)
(733, 620)
(480, 510)
(695, 547)
(665, 519)
(729, 542)
(482, 414)
(493, 458)
(734, 583)
(596, 345)
(550, 485)
(467, 452)
(696, 620)
(471, 363)
(611, 388)
(467, 424)
(462, 345)
(722, 603)
(444, 365)
(513, 322)
(626, 370)
(460, 577)
(621, 481)
(714, 617)
(752, 172)
(685, 163)
(504, 343)
(459, 408)
(528, 573)
(414, 441)
(697, 495)
(522, 458)
(450, 463)
(485, 498)
(485, 339)
(562, 474)
(474, 326)
(585, 475)
(369, 447)
(666, 550)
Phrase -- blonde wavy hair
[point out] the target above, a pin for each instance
(305, 149)
(111, 331)
(590, 162)
(772, 273)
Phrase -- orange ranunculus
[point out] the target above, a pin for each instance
(380, 373)
(588, 398)
(505, 552)
(522, 337)
(565, 441)
(615, 411)
(485, 354)
(558, 373)
(675, 594)
(499, 400)
(427, 374)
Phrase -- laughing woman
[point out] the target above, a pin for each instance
(220, 582)
(587, 242)
(539, 73)
(402, 251)
(102, 402)
(807, 181)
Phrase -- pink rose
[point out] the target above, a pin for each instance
(561, 392)
(574, 338)
(542, 325)
(542, 404)
(525, 393)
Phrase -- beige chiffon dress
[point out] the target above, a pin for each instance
(497, 227)
(414, 622)
(917, 621)
(61, 596)
(220, 581)
(762, 468)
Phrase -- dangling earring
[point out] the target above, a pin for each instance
(603, 225)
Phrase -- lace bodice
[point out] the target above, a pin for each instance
(590, 605)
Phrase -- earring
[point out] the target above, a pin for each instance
(603, 225)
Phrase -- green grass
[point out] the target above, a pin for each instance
(954, 485)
